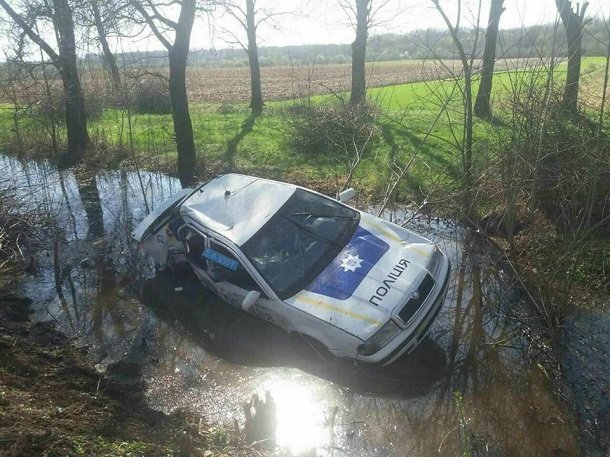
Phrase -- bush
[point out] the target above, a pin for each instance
(96, 101)
(227, 108)
(334, 129)
(565, 160)
(150, 96)
(51, 103)
(549, 190)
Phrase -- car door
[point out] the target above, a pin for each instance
(161, 216)
(233, 281)
(195, 244)
(154, 233)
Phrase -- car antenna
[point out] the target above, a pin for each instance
(227, 193)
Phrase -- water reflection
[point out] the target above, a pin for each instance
(240, 338)
(469, 387)
(90, 198)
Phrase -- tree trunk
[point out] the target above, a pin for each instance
(573, 22)
(183, 128)
(256, 93)
(86, 184)
(482, 106)
(359, 53)
(570, 93)
(76, 118)
(76, 121)
(109, 59)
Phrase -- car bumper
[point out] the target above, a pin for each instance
(409, 338)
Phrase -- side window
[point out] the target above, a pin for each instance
(224, 266)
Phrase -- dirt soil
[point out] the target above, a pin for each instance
(230, 85)
(227, 85)
(53, 403)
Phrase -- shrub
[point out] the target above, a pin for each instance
(50, 104)
(150, 96)
(228, 108)
(334, 129)
(549, 187)
(565, 162)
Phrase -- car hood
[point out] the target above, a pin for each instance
(369, 279)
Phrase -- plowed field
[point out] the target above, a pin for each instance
(228, 85)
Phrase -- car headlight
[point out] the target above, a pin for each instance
(379, 339)
(436, 261)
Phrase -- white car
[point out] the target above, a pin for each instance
(364, 288)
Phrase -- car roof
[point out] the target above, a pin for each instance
(236, 206)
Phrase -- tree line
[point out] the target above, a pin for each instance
(171, 24)
(527, 42)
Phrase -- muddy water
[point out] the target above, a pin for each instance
(469, 387)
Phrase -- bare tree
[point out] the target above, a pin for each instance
(467, 140)
(573, 21)
(161, 25)
(250, 18)
(482, 106)
(363, 15)
(59, 13)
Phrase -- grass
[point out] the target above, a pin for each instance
(227, 138)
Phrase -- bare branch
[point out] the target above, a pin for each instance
(160, 17)
(231, 11)
(35, 37)
(151, 23)
(235, 39)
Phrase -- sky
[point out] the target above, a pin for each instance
(324, 21)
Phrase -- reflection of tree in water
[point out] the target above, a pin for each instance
(89, 265)
(106, 300)
(90, 198)
(93, 284)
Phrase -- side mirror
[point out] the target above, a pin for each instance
(347, 195)
(250, 299)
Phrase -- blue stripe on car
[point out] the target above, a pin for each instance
(345, 273)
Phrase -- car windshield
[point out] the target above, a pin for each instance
(300, 240)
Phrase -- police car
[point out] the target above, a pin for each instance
(361, 286)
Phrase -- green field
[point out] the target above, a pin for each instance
(227, 138)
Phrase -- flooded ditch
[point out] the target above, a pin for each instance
(471, 386)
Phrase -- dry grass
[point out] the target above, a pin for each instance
(17, 228)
